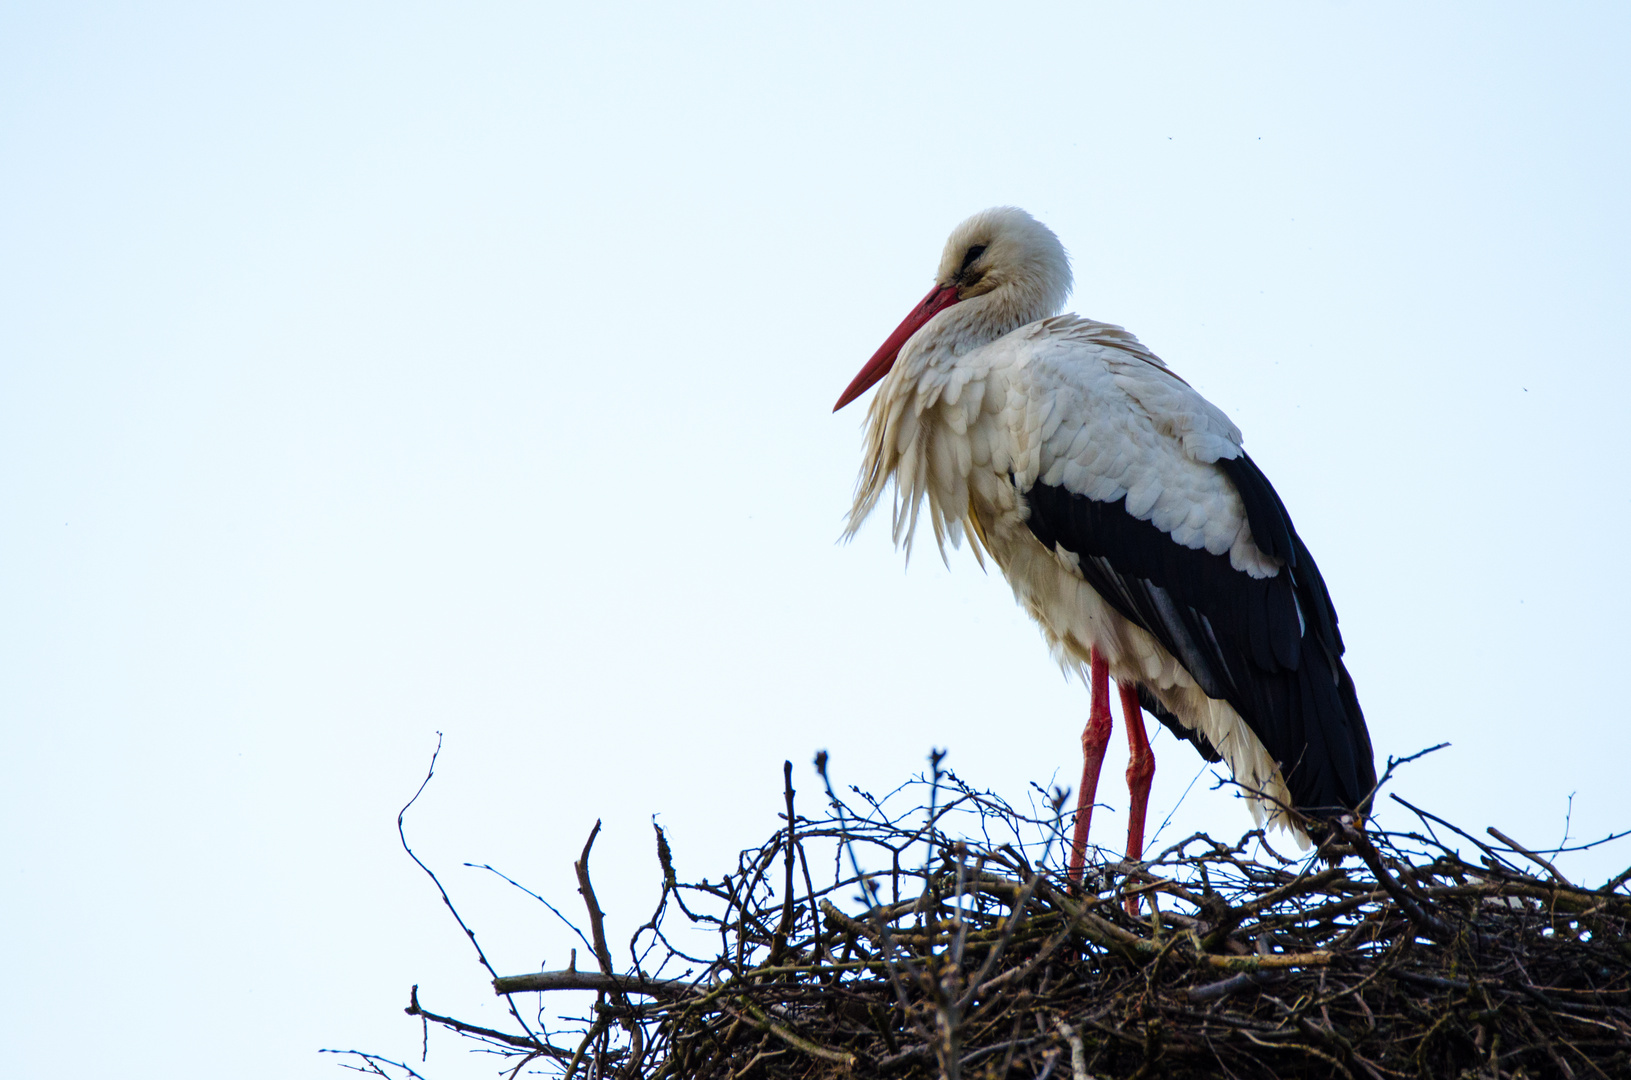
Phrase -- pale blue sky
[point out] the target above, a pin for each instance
(369, 370)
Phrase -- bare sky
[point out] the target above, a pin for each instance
(373, 370)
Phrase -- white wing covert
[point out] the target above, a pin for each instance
(1104, 418)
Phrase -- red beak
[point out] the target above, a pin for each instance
(939, 299)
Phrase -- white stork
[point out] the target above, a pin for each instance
(1129, 521)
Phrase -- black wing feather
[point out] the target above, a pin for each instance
(1267, 517)
(1267, 646)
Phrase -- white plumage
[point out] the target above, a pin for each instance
(994, 401)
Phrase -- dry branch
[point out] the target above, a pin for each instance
(591, 980)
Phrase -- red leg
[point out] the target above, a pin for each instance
(1140, 769)
(1095, 736)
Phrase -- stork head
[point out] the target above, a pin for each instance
(1002, 267)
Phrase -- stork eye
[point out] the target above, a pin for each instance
(973, 253)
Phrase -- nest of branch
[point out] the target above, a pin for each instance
(975, 958)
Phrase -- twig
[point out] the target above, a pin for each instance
(402, 835)
(373, 1061)
(1521, 850)
(778, 943)
(534, 1044)
(597, 918)
(1078, 1053)
(795, 1040)
(543, 981)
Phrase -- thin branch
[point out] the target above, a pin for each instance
(789, 899)
(373, 1061)
(402, 835)
(597, 918)
(592, 980)
(535, 1046)
(1521, 850)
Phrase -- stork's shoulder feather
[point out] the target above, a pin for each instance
(1092, 410)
